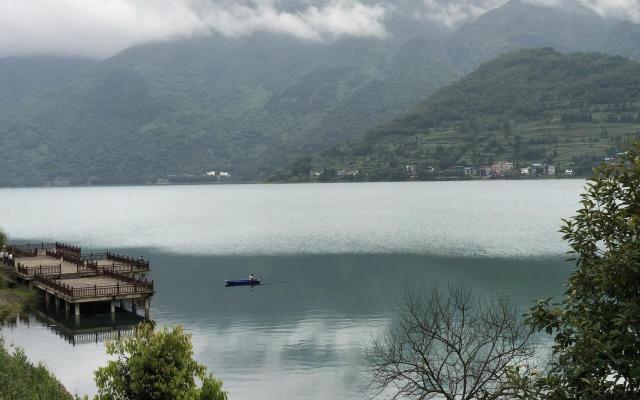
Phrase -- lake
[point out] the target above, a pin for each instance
(334, 259)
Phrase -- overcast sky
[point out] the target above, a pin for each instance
(101, 28)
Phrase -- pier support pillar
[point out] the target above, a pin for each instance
(47, 300)
(66, 308)
(134, 306)
(147, 306)
(77, 309)
(113, 307)
(56, 300)
(122, 304)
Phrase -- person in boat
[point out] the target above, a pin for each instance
(252, 277)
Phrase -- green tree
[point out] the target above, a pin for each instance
(155, 365)
(596, 352)
(22, 380)
(3, 239)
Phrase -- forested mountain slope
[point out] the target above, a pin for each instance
(534, 105)
(252, 105)
(241, 105)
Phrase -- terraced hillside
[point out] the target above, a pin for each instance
(528, 106)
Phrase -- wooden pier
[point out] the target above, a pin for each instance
(68, 277)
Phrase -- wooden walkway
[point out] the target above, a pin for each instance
(63, 273)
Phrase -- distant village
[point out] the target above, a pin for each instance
(504, 169)
(498, 169)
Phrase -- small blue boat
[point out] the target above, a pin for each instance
(242, 282)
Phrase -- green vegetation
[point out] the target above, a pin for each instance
(21, 380)
(252, 106)
(247, 106)
(150, 365)
(155, 365)
(437, 347)
(528, 106)
(596, 352)
(12, 300)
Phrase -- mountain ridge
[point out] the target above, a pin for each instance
(247, 105)
(529, 106)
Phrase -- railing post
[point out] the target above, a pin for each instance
(95, 290)
(118, 287)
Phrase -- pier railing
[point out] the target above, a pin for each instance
(126, 285)
(72, 258)
(94, 256)
(68, 248)
(22, 250)
(128, 260)
(29, 271)
(124, 268)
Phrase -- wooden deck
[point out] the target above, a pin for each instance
(69, 276)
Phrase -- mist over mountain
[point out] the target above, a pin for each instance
(253, 102)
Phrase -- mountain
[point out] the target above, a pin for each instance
(519, 24)
(173, 110)
(624, 40)
(190, 106)
(24, 77)
(534, 105)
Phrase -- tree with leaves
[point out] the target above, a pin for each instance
(596, 351)
(453, 347)
(155, 365)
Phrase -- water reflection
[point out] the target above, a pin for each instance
(94, 328)
(302, 334)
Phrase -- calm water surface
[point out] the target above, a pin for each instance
(333, 258)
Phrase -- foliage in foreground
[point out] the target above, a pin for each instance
(597, 327)
(21, 380)
(155, 365)
(451, 346)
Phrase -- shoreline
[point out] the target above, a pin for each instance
(143, 184)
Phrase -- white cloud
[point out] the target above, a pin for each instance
(100, 28)
(335, 19)
(454, 12)
(624, 9)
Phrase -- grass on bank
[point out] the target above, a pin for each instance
(19, 378)
(13, 300)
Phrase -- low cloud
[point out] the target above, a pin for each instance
(623, 9)
(312, 23)
(454, 12)
(100, 28)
